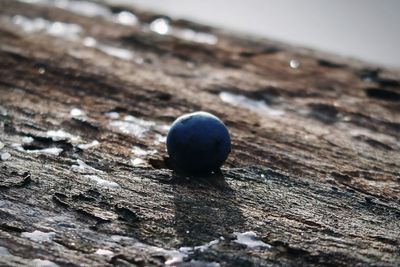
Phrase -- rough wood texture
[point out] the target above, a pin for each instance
(314, 170)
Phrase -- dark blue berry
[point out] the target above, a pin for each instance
(198, 143)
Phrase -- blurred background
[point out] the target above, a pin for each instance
(363, 29)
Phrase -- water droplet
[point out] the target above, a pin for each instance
(294, 63)
(262, 176)
(126, 18)
(346, 118)
(57, 28)
(160, 26)
(76, 112)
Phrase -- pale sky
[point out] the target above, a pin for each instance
(363, 29)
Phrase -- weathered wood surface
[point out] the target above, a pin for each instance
(315, 174)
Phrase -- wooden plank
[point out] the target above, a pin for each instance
(85, 105)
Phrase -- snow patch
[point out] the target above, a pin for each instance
(121, 53)
(55, 151)
(82, 167)
(90, 145)
(138, 162)
(39, 236)
(27, 140)
(197, 37)
(249, 239)
(255, 105)
(209, 245)
(3, 111)
(104, 252)
(137, 127)
(119, 238)
(60, 135)
(132, 126)
(197, 263)
(43, 263)
(139, 152)
(5, 156)
(112, 115)
(160, 139)
(77, 113)
(4, 251)
(174, 256)
(50, 151)
(101, 181)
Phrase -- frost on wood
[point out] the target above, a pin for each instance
(86, 97)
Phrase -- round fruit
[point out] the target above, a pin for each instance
(198, 143)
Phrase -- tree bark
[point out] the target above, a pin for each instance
(314, 170)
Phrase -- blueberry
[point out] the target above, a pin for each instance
(198, 143)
